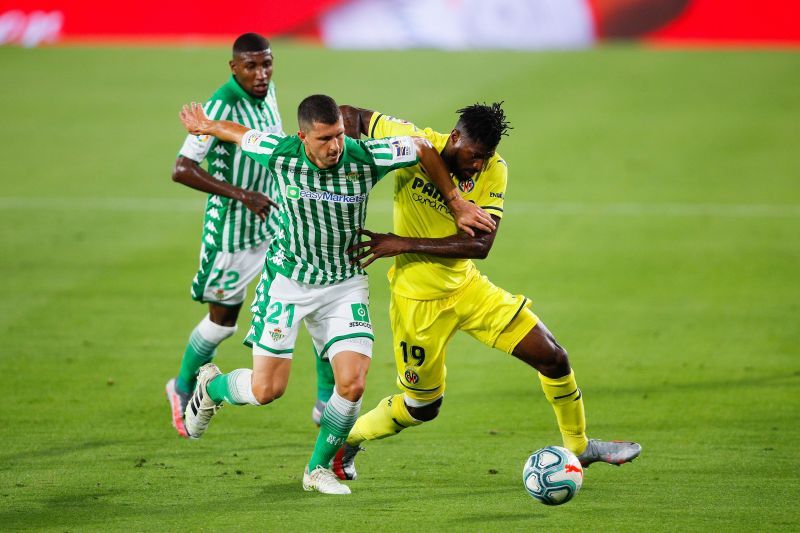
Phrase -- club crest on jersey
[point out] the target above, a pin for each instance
(466, 186)
(351, 176)
(411, 377)
(277, 334)
(219, 294)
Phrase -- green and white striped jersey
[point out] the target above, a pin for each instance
(228, 225)
(322, 209)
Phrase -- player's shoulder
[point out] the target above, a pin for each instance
(364, 150)
(261, 142)
(497, 165)
(496, 172)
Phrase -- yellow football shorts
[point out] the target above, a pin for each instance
(422, 328)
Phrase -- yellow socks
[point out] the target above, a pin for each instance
(388, 418)
(567, 401)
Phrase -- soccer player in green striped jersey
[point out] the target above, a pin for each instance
(322, 183)
(237, 221)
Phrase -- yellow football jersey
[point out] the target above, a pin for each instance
(419, 211)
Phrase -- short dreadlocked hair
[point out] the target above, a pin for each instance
(484, 123)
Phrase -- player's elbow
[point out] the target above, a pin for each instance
(180, 169)
(482, 249)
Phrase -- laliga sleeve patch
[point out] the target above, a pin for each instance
(403, 149)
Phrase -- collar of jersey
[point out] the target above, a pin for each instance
(235, 87)
(315, 168)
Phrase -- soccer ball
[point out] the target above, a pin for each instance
(552, 475)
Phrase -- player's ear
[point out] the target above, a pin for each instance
(301, 134)
(232, 64)
(455, 135)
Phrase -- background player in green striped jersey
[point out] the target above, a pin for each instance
(322, 182)
(237, 220)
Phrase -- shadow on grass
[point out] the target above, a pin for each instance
(56, 451)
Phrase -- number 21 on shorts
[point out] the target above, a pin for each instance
(276, 309)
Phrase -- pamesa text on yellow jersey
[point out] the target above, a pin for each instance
(420, 211)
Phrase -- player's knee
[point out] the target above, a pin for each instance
(555, 364)
(352, 389)
(426, 413)
(267, 392)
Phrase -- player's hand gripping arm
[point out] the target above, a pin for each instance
(189, 173)
(460, 246)
(467, 214)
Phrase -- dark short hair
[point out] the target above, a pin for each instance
(317, 108)
(484, 123)
(250, 42)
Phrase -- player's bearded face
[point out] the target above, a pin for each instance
(253, 71)
(470, 158)
(324, 143)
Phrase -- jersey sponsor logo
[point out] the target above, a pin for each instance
(411, 377)
(495, 195)
(357, 324)
(466, 186)
(219, 163)
(296, 193)
(426, 193)
(220, 150)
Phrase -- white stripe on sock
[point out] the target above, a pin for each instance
(214, 333)
(241, 390)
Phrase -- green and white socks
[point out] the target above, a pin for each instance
(236, 388)
(202, 346)
(337, 420)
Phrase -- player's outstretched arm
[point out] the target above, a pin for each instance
(458, 246)
(187, 172)
(356, 120)
(469, 217)
(197, 123)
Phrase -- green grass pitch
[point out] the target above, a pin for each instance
(653, 215)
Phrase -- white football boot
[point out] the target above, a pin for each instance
(201, 407)
(613, 452)
(323, 480)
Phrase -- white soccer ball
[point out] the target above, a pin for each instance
(552, 475)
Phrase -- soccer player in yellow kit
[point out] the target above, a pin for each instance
(437, 290)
